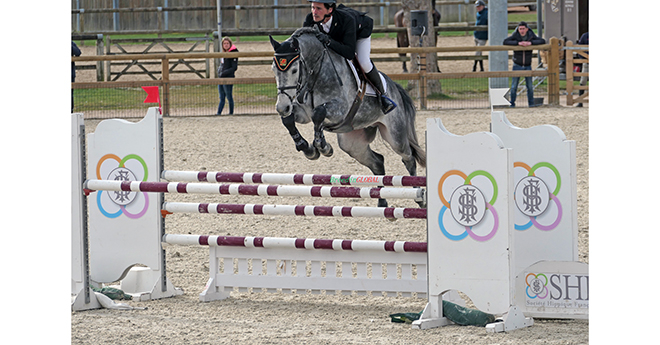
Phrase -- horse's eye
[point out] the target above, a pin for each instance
(295, 70)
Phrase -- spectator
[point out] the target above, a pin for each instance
(228, 67)
(584, 40)
(75, 51)
(522, 59)
(480, 37)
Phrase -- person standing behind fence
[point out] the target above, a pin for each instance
(227, 69)
(75, 51)
(584, 40)
(522, 59)
(480, 37)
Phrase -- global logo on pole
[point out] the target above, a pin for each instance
(113, 204)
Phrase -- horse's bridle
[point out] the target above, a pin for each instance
(283, 61)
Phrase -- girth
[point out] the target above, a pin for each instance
(347, 125)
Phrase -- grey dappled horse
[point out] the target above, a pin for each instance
(316, 84)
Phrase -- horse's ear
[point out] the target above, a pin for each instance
(295, 44)
(274, 43)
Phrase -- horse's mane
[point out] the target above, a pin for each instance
(304, 31)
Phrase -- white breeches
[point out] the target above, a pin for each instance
(363, 51)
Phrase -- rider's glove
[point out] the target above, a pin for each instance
(323, 38)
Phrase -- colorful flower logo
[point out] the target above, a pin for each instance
(471, 212)
(533, 197)
(113, 204)
(537, 286)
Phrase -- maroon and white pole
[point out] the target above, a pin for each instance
(416, 194)
(306, 179)
(294, 243)
(296, 210)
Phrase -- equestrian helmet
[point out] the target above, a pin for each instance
(324, 1)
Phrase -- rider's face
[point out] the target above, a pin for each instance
(319, 11)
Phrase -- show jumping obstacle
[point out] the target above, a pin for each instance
(526, 245)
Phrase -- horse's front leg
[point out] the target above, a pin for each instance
(301, 144)
(318, 117)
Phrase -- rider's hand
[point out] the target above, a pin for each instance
(324, 38)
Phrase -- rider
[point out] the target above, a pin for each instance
(348, 32)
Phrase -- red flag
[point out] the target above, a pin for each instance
(153, 96)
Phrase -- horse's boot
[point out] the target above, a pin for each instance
(386, 103)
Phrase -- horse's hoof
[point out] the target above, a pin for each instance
(312, 153)
(327, 150)
(323, 147)
(382, 203)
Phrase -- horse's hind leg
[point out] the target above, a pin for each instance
(399, 143)
(301, 144)
(356, 144)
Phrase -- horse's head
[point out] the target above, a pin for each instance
(288, 68)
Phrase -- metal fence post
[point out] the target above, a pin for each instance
(553, 72)
(165, 102)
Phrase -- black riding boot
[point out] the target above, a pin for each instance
(385, 103)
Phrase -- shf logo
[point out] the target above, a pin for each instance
(535, 196)
(130, 168)
(532, 196)
(122, 198)
(537, 285)
(470, 203)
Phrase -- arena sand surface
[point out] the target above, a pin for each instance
(261, 144)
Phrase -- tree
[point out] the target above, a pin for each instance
(428, 40)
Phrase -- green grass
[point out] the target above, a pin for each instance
(108, 99)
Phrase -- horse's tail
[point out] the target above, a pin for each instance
(408, 108)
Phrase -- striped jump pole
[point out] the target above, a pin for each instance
(294, 243)
(416, 194)
(296, 210)
(306, 179)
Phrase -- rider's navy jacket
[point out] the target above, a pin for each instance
(347, 26)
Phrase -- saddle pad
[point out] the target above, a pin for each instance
(370, 89)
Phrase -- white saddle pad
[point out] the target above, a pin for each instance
(370, 90)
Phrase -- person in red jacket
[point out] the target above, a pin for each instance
(348, 32)
(522, 59)
(227, 69)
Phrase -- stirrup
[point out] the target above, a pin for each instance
(387, 104)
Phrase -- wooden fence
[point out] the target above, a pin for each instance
(552, 50)
(582, 59)
(93, 16)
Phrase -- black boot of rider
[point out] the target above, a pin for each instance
(385, 103)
